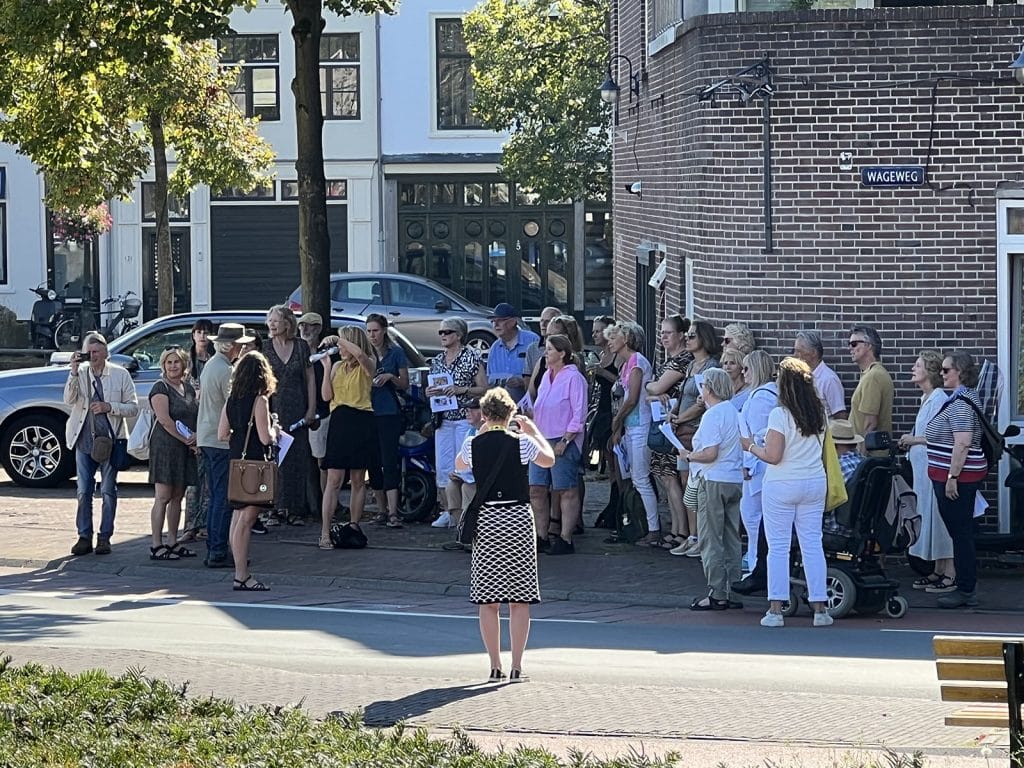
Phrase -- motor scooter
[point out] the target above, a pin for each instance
(417, 491)
(47, 313)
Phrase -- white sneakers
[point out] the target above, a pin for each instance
(444, 521)
(690, 548)
(822, 619)
(776, 620)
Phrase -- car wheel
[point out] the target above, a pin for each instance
(34, 454)
(480, 340)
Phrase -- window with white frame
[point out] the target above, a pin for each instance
(177, 209)
(3, 226)
(257, 91)
(339, 75)
(453, 77)
(1015, 232)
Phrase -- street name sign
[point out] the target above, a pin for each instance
(892, 176)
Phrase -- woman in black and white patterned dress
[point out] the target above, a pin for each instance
(504, 568)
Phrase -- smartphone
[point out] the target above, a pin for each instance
(81, 357)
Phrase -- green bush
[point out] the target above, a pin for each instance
(49, 718)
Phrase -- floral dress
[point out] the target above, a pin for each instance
(664, 464)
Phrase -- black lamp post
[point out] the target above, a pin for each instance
(610, 90)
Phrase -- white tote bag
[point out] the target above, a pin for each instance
(138, 440)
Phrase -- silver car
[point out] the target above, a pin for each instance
(32, 409)
(414, 305)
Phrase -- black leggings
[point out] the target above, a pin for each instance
(386, 476)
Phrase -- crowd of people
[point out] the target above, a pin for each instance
(751, 430)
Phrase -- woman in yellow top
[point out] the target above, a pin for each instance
(352, 435)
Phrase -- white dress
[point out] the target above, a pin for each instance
(934, 542)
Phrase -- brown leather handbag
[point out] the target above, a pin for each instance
(251, 483)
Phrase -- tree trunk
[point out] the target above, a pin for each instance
(164, 268)
(314, 240)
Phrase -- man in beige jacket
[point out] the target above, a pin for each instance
(102, 397)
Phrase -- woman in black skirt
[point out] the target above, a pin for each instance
(352, 444)
(504, 568)
(246, 423)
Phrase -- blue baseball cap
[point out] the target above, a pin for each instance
(504, 311)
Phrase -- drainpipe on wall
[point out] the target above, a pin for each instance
(381, 233)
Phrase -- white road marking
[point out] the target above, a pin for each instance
(145, 599)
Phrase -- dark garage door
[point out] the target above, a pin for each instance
(255, 260)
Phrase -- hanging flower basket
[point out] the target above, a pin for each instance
(82, 225)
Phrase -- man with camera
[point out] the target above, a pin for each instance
(102, 398)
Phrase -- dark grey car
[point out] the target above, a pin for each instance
(414, 305)
(32, 410)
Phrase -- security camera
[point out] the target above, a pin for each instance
(636, 188)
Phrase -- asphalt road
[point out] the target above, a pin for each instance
(669, 675)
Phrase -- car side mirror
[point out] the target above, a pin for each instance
(442, 306)
(127, 362)
(1012, 430)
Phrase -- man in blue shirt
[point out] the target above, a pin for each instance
(513, 354)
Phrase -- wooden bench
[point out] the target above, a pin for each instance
(988, 674)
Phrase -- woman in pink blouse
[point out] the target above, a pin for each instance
(560, 413)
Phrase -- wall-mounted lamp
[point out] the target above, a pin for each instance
(610, 89)
(636, 188)
(1018, 68)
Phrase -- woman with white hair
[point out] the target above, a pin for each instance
(739, 337)
(632, 422)
(717, 453)
(465, 367)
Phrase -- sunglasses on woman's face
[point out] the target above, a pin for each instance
(690, 336)
(445, 333)
(173, 346)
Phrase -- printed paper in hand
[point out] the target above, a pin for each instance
(698, 379)
(658, 411)
(623, 460)
(439, 403)
(980, 505)
(284, 442)
(183, 430)
(666, 430)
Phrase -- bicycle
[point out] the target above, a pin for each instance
(68, 334)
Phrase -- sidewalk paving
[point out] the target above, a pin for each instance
(37, 531)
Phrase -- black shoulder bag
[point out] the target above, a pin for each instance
(467, 525)
(992, 443)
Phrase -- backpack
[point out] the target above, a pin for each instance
(900, 526)
(992, 444)
(631, 517)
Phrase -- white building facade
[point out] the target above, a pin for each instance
(413, 186)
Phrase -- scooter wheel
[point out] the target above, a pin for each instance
(896, 607)
(418, 496)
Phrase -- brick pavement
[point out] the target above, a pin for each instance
(37, 530)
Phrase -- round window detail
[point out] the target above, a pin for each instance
(440, 230)
(414, 229)
(531, 228)
(473, 228)
(557, 228)
(496, 228)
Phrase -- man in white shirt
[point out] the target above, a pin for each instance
(808, 347)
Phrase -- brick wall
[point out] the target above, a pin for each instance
(919, 264)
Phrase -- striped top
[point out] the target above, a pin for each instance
(956, 416)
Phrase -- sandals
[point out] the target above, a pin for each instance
(325, 543)
(394, 522)
(163, 552)
(249, 584)
(295, 521)
(670, 541)
(181, 551)
(928, 581)
(708, 604)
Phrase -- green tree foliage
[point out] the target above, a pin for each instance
(537, 78)
(95, 91)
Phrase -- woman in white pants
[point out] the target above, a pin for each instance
(632, 422)
(758, 370)
(794, 489)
